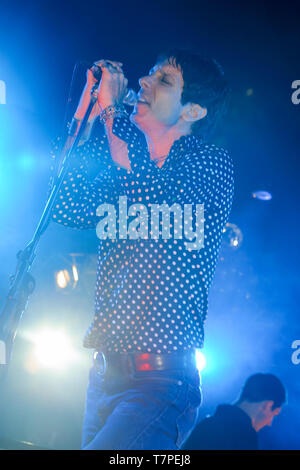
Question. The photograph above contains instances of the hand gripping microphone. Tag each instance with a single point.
(130, 98)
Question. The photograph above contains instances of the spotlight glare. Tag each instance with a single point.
(62, 279)
(200, 360)
(75, 273)
(53, 349)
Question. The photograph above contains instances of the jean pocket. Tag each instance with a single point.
(187, 420)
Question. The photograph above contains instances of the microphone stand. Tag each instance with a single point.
(22, 282)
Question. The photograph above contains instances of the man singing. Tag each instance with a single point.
(151, 288)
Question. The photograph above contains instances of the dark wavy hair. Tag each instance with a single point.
(261, 387)
(204, 84)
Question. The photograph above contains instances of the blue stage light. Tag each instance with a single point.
(25, 162)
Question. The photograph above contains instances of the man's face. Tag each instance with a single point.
(159, 99)
(266, 415)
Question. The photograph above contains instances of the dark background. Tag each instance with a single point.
(254, 303)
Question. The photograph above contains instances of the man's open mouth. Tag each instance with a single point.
(141, 99)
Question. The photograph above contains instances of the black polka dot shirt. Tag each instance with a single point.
(151, 293)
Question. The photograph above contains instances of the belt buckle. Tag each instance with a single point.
(100, 362)
(143, 362)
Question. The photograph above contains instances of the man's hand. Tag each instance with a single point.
(86, 98)
(111, 91)
(113, 85)
(112, 88)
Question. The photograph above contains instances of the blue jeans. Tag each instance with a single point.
(154, 410)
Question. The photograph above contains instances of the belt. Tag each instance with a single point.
(128, 364)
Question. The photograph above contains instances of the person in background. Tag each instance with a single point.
(235, 427)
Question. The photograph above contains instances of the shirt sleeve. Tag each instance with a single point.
(81, 192)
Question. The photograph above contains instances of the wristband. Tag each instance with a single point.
(112, 112)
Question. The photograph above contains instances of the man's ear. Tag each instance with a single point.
(193, 112)
(267, 405)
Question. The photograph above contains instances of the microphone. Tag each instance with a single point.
(130, 98)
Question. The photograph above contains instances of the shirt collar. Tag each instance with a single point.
(129, 133)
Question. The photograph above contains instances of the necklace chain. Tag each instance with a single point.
(160, 159)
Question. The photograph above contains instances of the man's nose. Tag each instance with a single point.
(145, 82)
